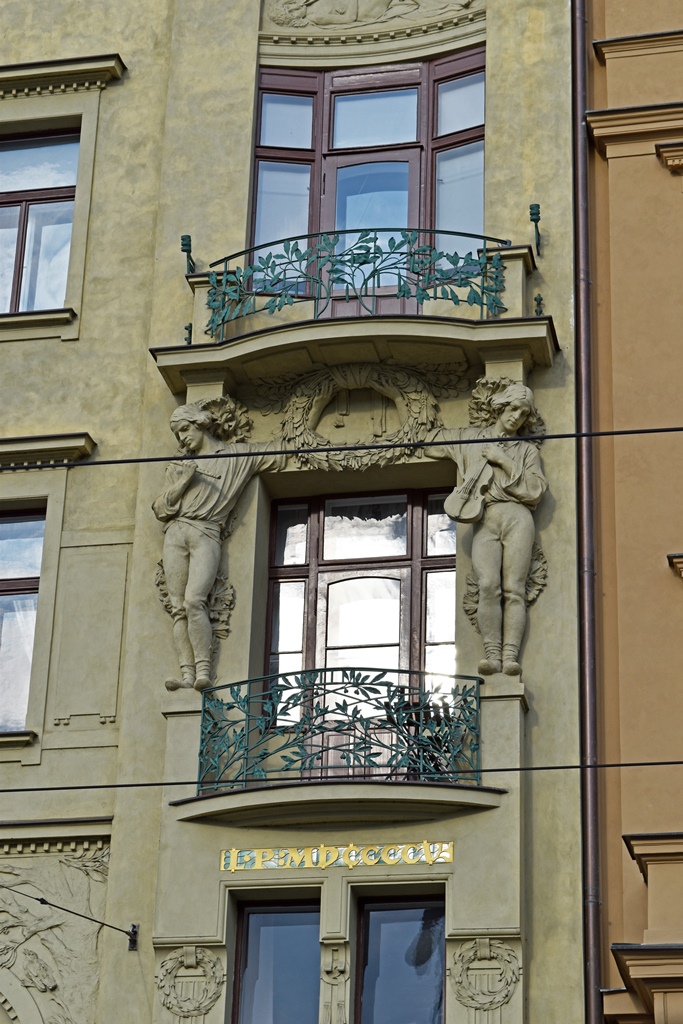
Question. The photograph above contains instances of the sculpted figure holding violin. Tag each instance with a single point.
(501, 482)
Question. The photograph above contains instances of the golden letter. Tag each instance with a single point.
(346, 855)
(413, 858)
(365, 855)
(391, 858)
(262, 856)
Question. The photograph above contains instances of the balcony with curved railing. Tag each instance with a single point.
(340, 724)
(357, 273)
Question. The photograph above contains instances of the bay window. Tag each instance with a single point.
(390, 147)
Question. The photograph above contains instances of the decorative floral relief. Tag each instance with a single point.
(50, 952)
(342, 13)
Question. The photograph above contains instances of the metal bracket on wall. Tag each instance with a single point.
(534, 217)
(186, 247)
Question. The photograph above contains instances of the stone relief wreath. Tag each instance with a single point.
(194, 1000)
(504, 976)
(302, 400)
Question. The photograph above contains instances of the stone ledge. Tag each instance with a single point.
(314, 804)
(45, 77)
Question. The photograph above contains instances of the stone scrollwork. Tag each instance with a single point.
(301, 400)
(190, 982)
(484, 974)
(341, 13)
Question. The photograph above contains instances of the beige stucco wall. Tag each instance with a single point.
(173, 156)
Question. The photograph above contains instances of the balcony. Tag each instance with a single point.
(342, 724)
(352, 273)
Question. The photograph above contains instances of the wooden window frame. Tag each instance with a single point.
(375, 903)
(416, 560)
(325, 86)
(271, 906)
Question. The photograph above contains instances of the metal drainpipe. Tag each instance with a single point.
(585, 533)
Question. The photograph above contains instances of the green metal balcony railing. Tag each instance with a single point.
(361, 267)
(348, 724)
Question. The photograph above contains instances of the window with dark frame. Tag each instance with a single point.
(400, 972)
(389, 147)
(21, 546)
(37, 193)
(363, 581)
(277, 970)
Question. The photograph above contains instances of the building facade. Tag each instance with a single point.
(635, 128)
(248, 702)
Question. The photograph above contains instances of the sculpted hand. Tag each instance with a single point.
(182, 471)
(497, 457)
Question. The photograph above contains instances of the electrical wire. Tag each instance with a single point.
(332, 449)
(131, 933)
(516, 770)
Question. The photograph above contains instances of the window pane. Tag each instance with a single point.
(282, 201)
(280, 981)
(38, 163)
(375, 119)
(461, 104)
(21, 546)
(363, 611)
(46, 260)
(372, 195)
(440, 607)
(403, 973)
(9, 226)
(286, 121)
(288, 616)
(290, 540)
(440, 660)
(440, 529)
(17, 626)
(460, 193)
(363, 657)
(365, 527)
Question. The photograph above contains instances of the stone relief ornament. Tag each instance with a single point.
(51, 954)
(190, 982)
(334, 972)
(332, 13)
(484, 974)
(196, 509)
(302, 399)
(501, 483)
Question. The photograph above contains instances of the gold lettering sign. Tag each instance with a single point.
(349, 856)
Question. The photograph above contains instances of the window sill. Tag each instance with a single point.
(43, 323)
(12, 740)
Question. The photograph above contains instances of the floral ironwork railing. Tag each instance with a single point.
(344, 723)
(356, 266)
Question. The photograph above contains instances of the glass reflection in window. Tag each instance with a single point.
(280, 967)
(365, 527)
(375, 119)
(46, 260)
(290, 540)
(440, 529)
(286, 121)
(461, 104)
(403, 965)
(460, 193)
(17, 626)
(21, 546)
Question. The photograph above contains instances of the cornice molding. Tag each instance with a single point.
(659, 122)
(655, 847)
(649, 45)
(670, 155)
(358, 46)
(53, 449)
(47, 77)
(651, 971)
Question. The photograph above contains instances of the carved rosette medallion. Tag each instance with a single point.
(484, 974)
(190, 982)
